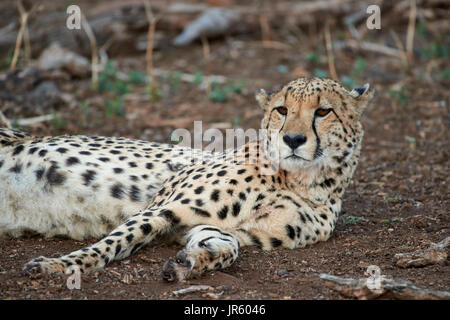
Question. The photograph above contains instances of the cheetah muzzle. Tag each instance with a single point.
(283, 190)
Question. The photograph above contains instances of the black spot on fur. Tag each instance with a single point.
(215, 195)
(54, 177)
(149, 165)
(132, 164)
(179, 196)
(135, 193)
(62, 150)
(236, 209)
(86, 153)
(42, 153)
(221, 173)
(18, 150)
(129, 237)
(275, 242)
(39, 173)
(185, 201)
(222, 213)
(88, 176)
(117, 191)
(146, 228)
(201, 212)
(168, 214)
(290, 231)
(72, 160)
(118, 170)
(199, 190)
(17, 168)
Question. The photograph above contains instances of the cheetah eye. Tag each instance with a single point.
(282, 110)
(322, 112)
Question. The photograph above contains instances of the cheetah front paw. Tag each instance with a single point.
(44, 265)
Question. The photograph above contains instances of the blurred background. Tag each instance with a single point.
(141, 69)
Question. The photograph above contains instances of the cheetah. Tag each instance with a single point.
(129, 193)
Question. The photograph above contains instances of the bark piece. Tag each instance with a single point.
(435, 254)
(364, 289)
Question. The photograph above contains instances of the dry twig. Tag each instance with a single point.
(94, 50)
(411, 30)
(330, 55)
(22, 34)
(152, 20)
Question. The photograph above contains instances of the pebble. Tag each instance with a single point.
(281, 272)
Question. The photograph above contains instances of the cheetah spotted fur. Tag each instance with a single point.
(128, 193)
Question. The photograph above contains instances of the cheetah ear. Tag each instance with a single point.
(261, 96)
(362, 96)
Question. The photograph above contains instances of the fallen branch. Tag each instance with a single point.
(388, 289)
(26, 121)
(369, 46)
(191, 289)
(435, 254)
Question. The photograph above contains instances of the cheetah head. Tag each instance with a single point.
(312, 121)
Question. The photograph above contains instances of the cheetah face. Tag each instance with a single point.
(312, 121)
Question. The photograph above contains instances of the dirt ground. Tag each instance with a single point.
(398, 201)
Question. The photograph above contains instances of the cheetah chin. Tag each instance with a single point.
(284, 190)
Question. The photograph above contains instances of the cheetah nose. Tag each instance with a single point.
(295, 141)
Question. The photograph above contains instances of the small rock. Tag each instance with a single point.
(281, 272)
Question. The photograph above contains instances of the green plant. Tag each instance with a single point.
(348, 81)
(114, 107)
(445, 74)
(173, 78)
(109, 82)
(154, 92)
(359, 67)
(282, 69)
(313, 57)
(86, 112)
(198, 78)
(399, 96)
(220, 93)
(137, 78)
(57, 122)
(320, 73)
(434, 50)
(393, 198)
(352, 220)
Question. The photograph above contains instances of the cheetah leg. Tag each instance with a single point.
(207, 248)
(134, 233)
